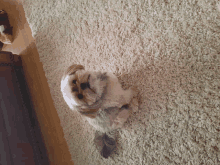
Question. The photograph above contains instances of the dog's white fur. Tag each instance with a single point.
(101, 100)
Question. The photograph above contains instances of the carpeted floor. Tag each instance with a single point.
(169, 49)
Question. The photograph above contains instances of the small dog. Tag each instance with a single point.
(100, 98)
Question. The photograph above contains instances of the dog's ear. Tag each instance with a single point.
(72, 69)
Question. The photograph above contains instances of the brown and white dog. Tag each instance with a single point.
(100, 98)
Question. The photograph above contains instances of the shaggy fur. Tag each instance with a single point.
(100, 98)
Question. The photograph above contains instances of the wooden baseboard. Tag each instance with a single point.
(43, 104)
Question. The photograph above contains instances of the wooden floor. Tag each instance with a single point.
(24, 45)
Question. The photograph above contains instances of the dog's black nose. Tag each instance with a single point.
(80, 96)
(83, 86)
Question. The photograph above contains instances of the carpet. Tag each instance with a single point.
(169, 50)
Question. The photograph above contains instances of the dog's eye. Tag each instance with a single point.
(74, 81)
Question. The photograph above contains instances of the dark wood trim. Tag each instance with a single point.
(10, 59)
(24, 143)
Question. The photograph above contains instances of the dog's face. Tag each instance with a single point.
(82, 88)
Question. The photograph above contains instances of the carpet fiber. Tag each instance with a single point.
(169, 50)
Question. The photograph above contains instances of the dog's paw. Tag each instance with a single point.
(134, 104)
(134, 91)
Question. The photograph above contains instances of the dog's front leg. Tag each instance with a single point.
(124, 112)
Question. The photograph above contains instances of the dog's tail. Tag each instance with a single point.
(104, 143)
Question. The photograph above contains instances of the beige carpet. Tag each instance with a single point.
(169, 49)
